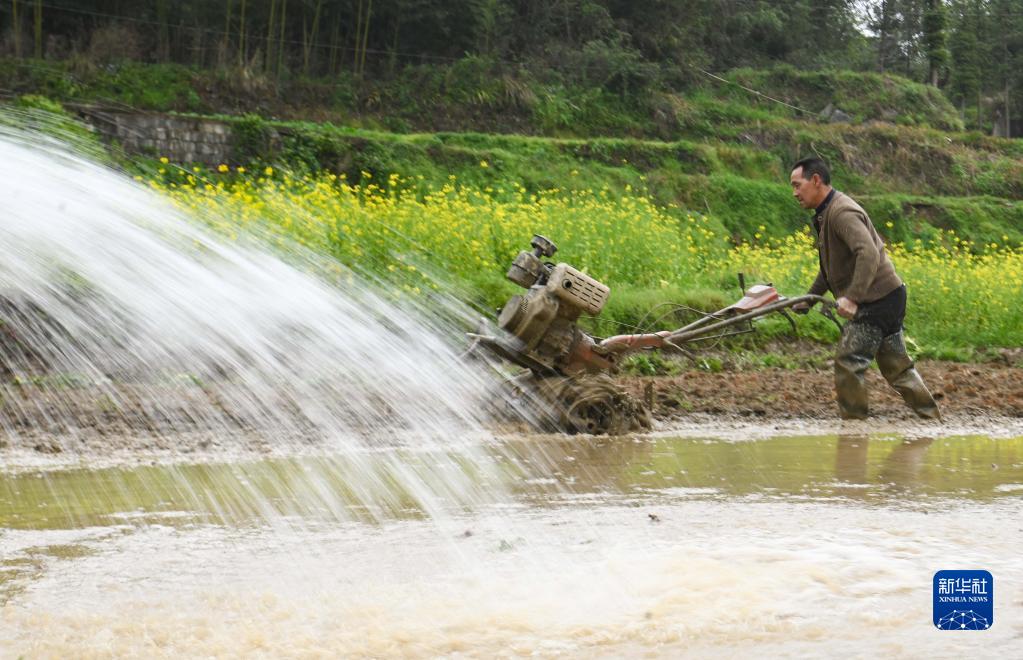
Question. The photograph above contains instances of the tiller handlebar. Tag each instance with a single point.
(543, 336)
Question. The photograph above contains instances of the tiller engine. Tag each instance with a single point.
(567, 380)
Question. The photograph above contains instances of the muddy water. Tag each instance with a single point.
(801, 546)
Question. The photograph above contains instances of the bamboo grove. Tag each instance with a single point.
(972, 49)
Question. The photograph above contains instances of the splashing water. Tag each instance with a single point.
(128, 327)
(385, 522)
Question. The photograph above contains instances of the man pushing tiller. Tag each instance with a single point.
(867, 290)
(567, 380)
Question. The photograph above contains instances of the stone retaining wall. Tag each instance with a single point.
(181, 139)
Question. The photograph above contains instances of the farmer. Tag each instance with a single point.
(868, 292)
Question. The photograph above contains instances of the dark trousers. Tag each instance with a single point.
(876, 333)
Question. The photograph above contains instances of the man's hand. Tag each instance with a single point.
(846, 308)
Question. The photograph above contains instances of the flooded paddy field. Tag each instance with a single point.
(213, 448)
(656, 546)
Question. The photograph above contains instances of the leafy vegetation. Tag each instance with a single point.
(400, 230)
(564, 62)
(651, 140)
(42, 115)
(914, 182)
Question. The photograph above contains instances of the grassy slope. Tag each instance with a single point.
(919, 180)
(713, 149)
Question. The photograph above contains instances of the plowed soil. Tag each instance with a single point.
(980, 398)
(962, 390)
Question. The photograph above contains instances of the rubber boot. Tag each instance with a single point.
(856, 348)
(897, 368)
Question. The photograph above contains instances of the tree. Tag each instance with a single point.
(972, 48)
(935, 39)
(16, 28)
(491, 20)
(1008, 42)
(308, 37)
(883, 20)
(967, 57)
(241, 36)
(37, 29)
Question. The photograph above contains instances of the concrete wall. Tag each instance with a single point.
(181, 139)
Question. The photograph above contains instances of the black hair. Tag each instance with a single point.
(814, 165)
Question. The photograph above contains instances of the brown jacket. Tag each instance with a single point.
(853, 262)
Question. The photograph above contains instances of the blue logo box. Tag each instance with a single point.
(964, 600)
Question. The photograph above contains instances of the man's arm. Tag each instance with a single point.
(818, 288)
(820, 285)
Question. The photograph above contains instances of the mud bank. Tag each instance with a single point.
(976, 399)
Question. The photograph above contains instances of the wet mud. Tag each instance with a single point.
(981, 398)
(963, 391)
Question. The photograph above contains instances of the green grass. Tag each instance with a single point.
(165, 87)
(726, 159)
(863, 96)
(712, 148)
(658, 260)
(742, 187)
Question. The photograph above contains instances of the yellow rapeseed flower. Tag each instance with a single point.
(617, 238)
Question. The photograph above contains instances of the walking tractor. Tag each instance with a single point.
(567, 371)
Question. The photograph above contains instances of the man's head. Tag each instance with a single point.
(811, 182)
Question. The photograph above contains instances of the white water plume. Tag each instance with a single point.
(126, 325)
